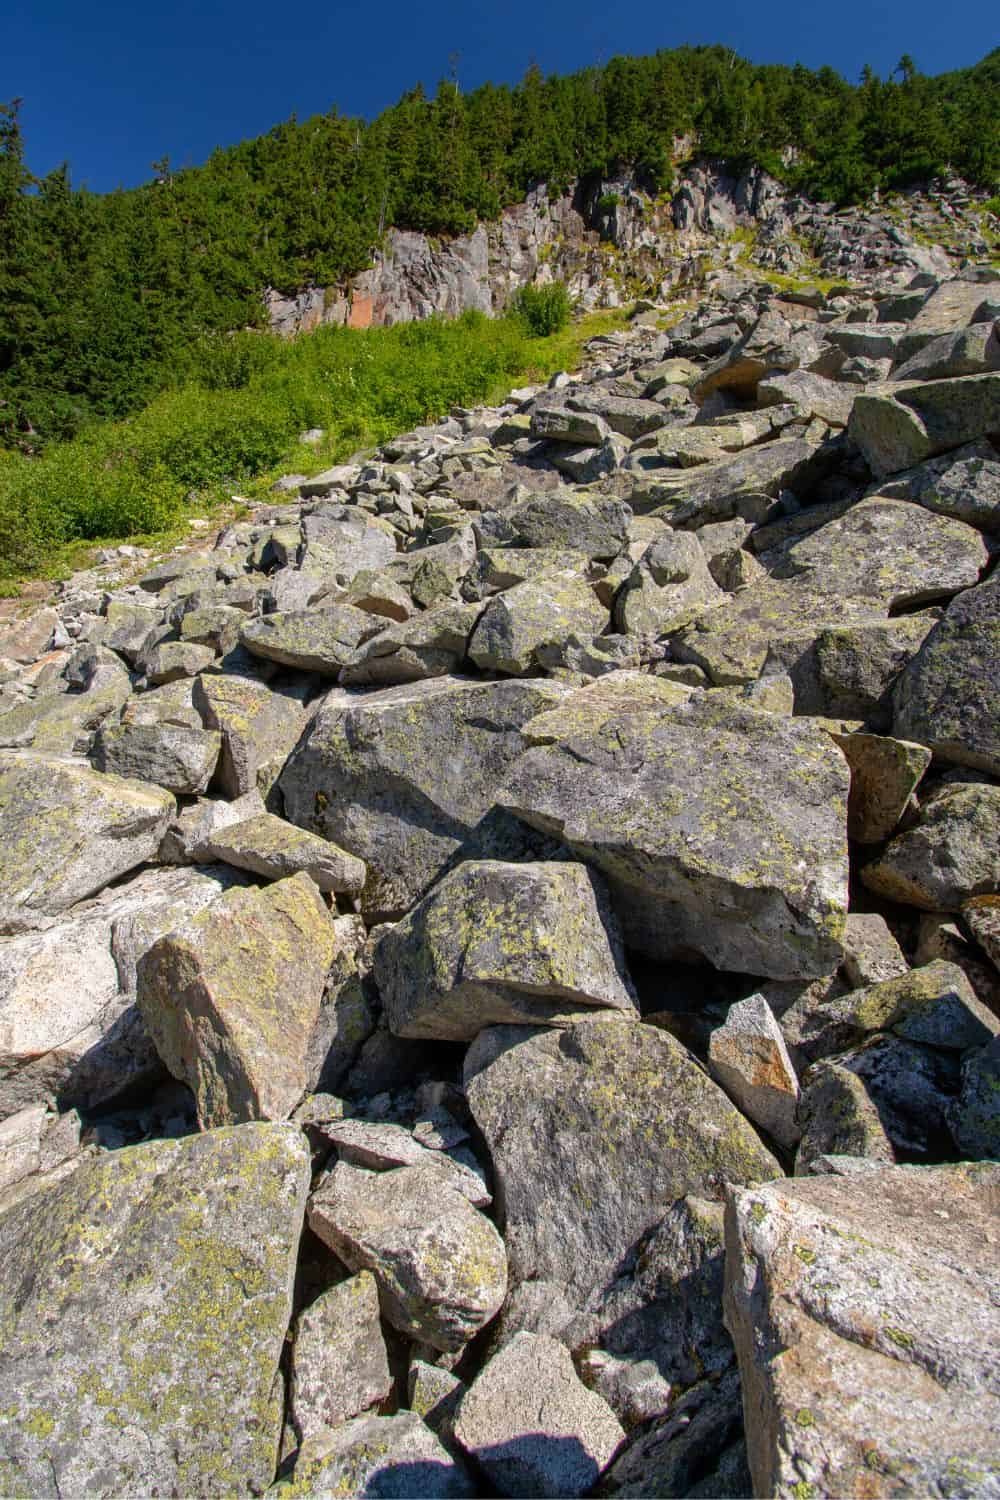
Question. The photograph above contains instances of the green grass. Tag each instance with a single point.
(232, 424)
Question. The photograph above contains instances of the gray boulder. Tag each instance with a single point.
(375, 1458)
(495, 943)
(747, 1056)
(231, 999)
(949, 854)
(121, 1288)
(259, 726)
(533, 1426)
(864, 1314)
(946, 696)
(315, 640)
(590, 524)
(266, 845)
(541, 613)
(725, 834)
(901, 423)
(339, 1363)
(403, 776)
(67, 831)
(974, 1117)
(668, 587)
(439, 1264)
(568, 1116)
(176, 757)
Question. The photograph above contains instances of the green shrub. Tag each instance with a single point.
(545, 309)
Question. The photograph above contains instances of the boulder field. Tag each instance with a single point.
(500, 947)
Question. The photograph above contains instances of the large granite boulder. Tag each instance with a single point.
(946, 696)
(144, 1301)
(259, 726)
(724, 833)
(375, 1458)
(899, 424)
(232, 998)
(949, 854)
(669, 586)
(67, 831)
(542, 612)
(593, 1130)
(314, 640)
(403, 776)
(495, 942)
(864, 1311)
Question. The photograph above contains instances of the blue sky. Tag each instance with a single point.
(113, 85)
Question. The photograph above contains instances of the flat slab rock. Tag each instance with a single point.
(532, 1424)
(495, 942)
(266, 845)
(719, 829)
(144, 1301)
(865, 1316)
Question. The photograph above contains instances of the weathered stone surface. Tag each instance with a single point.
(864, 1312)
(568, 1117)
(698, 1449)
(231, 999)
(533, 1426)
(946, 696)
(339, 1363)
(380, 1147)
(558, 422)
(962, 352)
(194, 825)
(66, 832)
(64, 721)
(28, 639)
(981, 915)
(851, 668)
(872, 954)
(315, 640)
(340, 543)
(884, 775)
(668, 587)
(964, 484)
(541, 612)
(724, 832)
(734, 486)
(901, 423)
(590, 524)
(21, 1144)
(495, 943)
(748, 1057)
(121, 1287)
(168, 661)
(375, 1458)
(67, 1020)
(629, 415)
(401, 777)
(838, 1117)
(176, 757)
(974, 1117)
(259, 729)
(819, 397)
(583, 710)
(439, 1264)
(431, 644)
(663, 1306)
(269, 846)
(951, 853)
(912, 1088)
(435, 1394)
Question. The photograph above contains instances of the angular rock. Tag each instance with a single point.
(516, 624)
(748, 1058)
(856, 666)
(912, 1088)
(21, 1144)
(533, 1426)
(698, 1449)
(435, 1395)
(269, 846)
(827, 399)
(568, 1117)
(589, 524)
(725, 835)
(440, 1266)
(951, 853)
(66, 832)
(403, 776)
(981, 916)
(384, 1146)
(121, 1287)
(668, 587)
(872, 954)
(964, 484)
(946, 696)
(186, 839)
(585, 709)
(168, 661)
(565, 426)
(231, 999)
(259, 725)
(974, 1117)
(855, 1378)
(495, 943)
(339, 1363)
(837, 1116)
(962, 352)
(901, 423)
(884, 775)
(375, 1458)
(431, 644)
(176, 757)
(314, 640)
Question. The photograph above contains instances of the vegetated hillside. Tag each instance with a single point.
(101, 293)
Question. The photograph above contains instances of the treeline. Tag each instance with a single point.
(101, 295)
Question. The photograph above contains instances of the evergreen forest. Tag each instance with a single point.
(103, 296)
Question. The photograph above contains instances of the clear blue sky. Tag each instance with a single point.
(112, 85)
